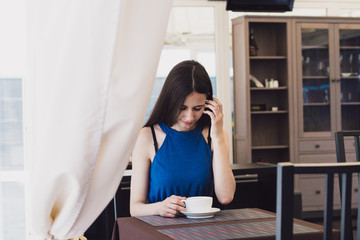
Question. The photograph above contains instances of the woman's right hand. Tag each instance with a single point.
(171, 206)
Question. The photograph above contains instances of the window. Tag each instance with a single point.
(189, 36)
(12, 201)
(196, 30)
(12, 184)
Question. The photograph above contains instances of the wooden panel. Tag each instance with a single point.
(242, 136)
(325, 158)
(266, 134)
(270, 99)
(270, 129)
(312, 189)
(317, 158)
(317, 146)
(324, 145)
(271, 38)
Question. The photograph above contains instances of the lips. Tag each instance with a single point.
(187, 123)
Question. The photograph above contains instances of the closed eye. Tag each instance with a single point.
(196, 108)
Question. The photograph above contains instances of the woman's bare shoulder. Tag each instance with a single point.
(144, 134)
(142, 149)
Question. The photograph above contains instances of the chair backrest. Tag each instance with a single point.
(340, 144)
(285, 196)
(341, 149)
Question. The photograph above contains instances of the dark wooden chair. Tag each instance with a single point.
(285, 196)
(342, 146)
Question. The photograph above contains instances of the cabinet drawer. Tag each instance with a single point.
(318, 158)
(313, 192)
(325, 145)
(317, 146)
(325, 158)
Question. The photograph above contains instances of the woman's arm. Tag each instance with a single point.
(141, 160)
(224, 180)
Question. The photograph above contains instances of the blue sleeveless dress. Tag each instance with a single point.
(182, 166)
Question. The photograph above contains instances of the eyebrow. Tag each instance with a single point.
(201, 105)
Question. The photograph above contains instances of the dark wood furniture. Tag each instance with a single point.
(285, 189)
(248, 223)
(340, 144)
(342, 148)
(255, 186)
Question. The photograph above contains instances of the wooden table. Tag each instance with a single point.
(255, 188)
(247, 223)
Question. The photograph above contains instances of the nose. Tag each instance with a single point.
(189, 115)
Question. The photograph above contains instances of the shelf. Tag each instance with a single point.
(315, 77)
(269, 112)
(267, 89)
(314, 47)
(267, 57)
(316, 104)
(351, 77)
(267, 132)
(349, 47)
(269, 147)
(350, 103)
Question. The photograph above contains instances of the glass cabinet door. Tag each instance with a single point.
(316, 111)
(349, 57)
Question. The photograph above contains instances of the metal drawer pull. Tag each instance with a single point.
(356, 190)
(317, 192)
(317, 145)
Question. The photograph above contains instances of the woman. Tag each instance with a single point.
(183, 149)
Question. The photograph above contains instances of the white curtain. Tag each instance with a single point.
(91, 68)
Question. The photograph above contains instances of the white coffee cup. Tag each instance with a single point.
(198, 204)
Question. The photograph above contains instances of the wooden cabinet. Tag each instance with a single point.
(328, 71)
(262, 113)
(316, 61)
(327, 62)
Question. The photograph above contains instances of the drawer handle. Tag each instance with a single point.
(317, 145)
(317, 192)
(356, 190)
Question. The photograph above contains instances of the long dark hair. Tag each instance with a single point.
(185, 78)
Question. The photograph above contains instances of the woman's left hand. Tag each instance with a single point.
(216, 115)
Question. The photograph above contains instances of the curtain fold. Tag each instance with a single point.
(91, 68)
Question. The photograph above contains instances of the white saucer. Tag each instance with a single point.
(207, 214)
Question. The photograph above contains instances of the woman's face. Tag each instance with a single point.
(190, 112)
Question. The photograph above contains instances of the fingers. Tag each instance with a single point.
(217, 101)
(216, 108)
(172, 205)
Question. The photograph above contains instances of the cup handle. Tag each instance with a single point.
(184, 201)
